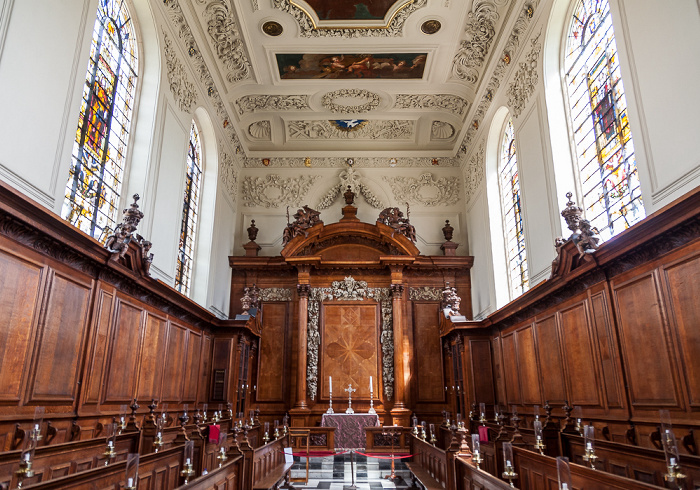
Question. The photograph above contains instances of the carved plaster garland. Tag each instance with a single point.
(371, 99)
(350, 290)
(226, 39)
(446, 189)
(228, 174)
(182, 89)
(372, 130)
(342, 162)
(289, 191)
(474, 173)
(525, 79)
(425, 293)
(480, 30)
(350, 178)
(450, 103)
(257, 103)
(394, 29)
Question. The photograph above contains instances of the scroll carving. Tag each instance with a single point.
(285, 191)
(425, 293)
(446, 189)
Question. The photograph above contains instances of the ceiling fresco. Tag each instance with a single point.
(343, 66)
(350, 9)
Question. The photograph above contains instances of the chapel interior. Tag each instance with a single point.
(456, 242)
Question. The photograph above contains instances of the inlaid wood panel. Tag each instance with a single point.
(430, 381)
(96, 362)
(151, 372)
(174, 363)
(683, 281)
(192, 366)
(510, 369)
(581, 371)
(527, 364)
(123, 366)
(350, 347)
(549, 352)
(271, 376)
(20, 283)
(643, 337)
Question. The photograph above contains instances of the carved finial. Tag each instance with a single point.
(349, 196)
(447, 230)
(252, 231)
(572, 214)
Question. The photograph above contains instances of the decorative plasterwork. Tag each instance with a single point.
(446, 102)
(275, 294)
(425, 293)
(441, 130)
(425, 189)
(525, 79)
(260, 130)
(372, 130)
(228, 174)
(480, 31)
(474, 173)
(182, 89)
(199, 66)
(353, 179)
(341, 162)
(307, 28)
(272, 191)
(350, 290)
(519, 29)
(364, 101)
(226, 39)
(257, 103)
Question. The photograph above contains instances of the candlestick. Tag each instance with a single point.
(330, 383)
(476, 450)
(370, 384)
(539, 444)
(188, 469)
(668, 438)
(589, 438)
(371, 398)
(508, 472)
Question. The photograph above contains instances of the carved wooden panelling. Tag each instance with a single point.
(271, 375)
(19, 293)
(510, 369)
(100, 342)
(428, 352)
(527, 365)
(174, 363)
(350, 347)
(192, 366)
(60, 340)
(607, 348)
(123, 369)
(151, 373)
(684, 287)
(480, 351)
(205, 372)
(581, 371)
(221, 362)
(550, 360)
(644, 337)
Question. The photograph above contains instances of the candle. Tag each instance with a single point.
(673, 461)
(130, 483)
(589, 446)
(187, 461)
(159, 435)
(370, 384)
(508, 464)
(26, 456)
(36, 427)
(110, 443)
(330, 384)
(564, 486)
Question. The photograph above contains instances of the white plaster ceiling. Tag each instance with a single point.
(426, 116)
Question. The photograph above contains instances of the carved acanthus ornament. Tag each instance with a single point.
(371, 101)
(282, 191)
(275, 294)
(182, 89)
(425, 190)
(372, 130)
(446, 102)
(259, 103)
(304, 219)
(425, 293)
(250, 299)
(394, 218)
(450, 299)
(352, 179)
(226, 39)
(474, 173)
(350, 290)
(525, 79)
(480, 31)
(308, 29)
(341, 162)
(228, 174)
(519, 29)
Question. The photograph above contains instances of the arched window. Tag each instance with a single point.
(99, 152)
(188, 226)
(606, 163)
(512, 213)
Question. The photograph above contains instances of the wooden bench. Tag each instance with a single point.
(265, 467)
(431, 466)
(421, 475)
(275, 477)
(469, 477)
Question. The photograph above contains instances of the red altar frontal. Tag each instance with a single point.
(348, 300)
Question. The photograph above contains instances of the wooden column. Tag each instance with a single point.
(400, 414)
(301, 411)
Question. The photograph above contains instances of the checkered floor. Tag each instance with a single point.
(336, 472)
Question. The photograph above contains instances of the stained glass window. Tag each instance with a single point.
(99, 152)
(188, 226)
(606, 162)
(512, 214)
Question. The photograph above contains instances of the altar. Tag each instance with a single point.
(350, 428)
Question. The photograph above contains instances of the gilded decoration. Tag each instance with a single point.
(350, 290)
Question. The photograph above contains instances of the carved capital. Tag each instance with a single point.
(303, 290)
(397, 291)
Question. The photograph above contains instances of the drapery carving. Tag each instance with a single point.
(350, 290)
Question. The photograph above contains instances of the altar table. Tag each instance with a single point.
(350, 428)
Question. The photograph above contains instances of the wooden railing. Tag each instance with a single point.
(320, 439)
(469, 477)
(263, 463)
(379, 441)
(439, 463)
